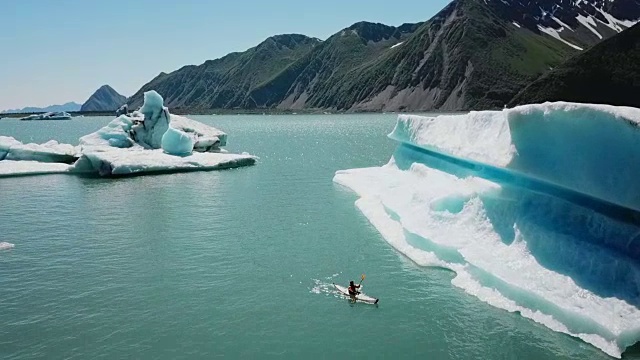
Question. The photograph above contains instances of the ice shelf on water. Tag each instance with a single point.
(22, 168)
(148, 140)
(49, 152)
(534, 208)
(138, 161)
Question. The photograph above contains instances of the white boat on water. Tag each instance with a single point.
(56, 115)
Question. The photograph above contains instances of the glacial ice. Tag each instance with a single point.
(155, 123)
(115, 134)
(176, 142)
(148, 140)
(49, 152)
(10, 168)
(534, 208)
(587, 148)
(139, 161)
(146, 129)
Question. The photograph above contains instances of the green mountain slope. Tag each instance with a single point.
(466, 57)
(474, 54)
(313, 80)
(608, 73)
(224, 83)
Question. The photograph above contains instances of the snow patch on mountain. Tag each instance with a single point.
(601, 18)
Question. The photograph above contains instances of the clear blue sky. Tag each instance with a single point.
(63, 50)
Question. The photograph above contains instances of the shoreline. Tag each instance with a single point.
(265, 112)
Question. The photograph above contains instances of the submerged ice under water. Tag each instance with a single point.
(532, 207)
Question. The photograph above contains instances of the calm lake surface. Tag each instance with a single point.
(236, 263)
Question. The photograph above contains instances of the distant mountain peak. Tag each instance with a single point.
(373, 32)
(290, 41)
(104, 99)
(106, 87)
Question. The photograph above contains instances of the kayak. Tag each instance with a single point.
(360, 297)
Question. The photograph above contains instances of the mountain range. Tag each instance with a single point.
(103, 99)
(70, 106)
(473, 54)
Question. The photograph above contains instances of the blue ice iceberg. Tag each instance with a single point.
(145, 129)
(586, 148)
(535, 208)
(176, 142)
(156, 121)
(144, 141)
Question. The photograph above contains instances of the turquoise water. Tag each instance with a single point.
(233, 263)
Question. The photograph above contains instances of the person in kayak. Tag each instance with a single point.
(353, 289)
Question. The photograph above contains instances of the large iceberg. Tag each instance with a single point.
(148, 140)
(535, 208)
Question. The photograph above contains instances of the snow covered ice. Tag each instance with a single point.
(140, 161)
(50, 152)
(148, 140)
(587, 148)
(535, 208)
(10, 168)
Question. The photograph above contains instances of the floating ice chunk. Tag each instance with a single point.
(51, 151)
(20, 168)
(6, 245)
(206, 138)
(146, 128)
(139, 161)
(144, 141)
(176, 142)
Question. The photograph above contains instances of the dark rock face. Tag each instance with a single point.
(608, 73)
(104, 99)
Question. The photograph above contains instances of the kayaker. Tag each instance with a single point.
(353, 288)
